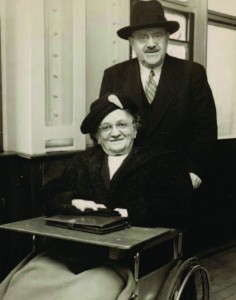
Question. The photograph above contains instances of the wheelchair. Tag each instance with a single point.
(155, 256)
(184, 280)
(187, 280)
(179, 279)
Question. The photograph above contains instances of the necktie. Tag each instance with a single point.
(150, 88)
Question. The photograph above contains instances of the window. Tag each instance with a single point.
(181, 42)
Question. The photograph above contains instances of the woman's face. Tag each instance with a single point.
(117, 132)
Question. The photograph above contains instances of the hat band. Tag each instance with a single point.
(149, 19)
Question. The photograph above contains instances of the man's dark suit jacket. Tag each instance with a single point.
(182, 116)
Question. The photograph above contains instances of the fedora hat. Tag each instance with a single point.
(147, 14)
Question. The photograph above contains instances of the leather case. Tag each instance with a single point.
(92, 224)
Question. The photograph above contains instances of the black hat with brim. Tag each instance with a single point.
(101, 107)
(147, 14)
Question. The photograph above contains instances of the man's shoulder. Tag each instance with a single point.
(183, 62)
(152, 153)
(122, 65)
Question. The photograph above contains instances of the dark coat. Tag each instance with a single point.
(182, 116)
(154, 187)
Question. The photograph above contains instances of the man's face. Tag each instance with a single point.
(150, 46)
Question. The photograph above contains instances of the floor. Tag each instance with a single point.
(222, 269)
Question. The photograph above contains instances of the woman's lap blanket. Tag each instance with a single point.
(46, 277)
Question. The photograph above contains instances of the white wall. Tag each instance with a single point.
(221, 67)
(225, 7)
(103, 47)
(21, 44)
(23, 78)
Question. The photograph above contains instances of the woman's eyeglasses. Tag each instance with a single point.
(121, 126)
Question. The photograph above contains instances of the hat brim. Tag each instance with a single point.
(125, 32)
(91, 122)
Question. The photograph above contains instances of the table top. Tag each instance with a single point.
(124, 239)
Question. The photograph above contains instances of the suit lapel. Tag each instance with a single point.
(132, 84)
(165, 94)
(166, 91)
(132, 87)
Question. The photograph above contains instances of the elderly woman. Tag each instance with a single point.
(150, 185)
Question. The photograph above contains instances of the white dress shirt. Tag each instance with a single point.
(144, 73)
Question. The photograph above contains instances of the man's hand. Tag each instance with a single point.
(196, 181)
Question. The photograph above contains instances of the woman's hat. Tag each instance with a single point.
(101, 107)
(147, 14)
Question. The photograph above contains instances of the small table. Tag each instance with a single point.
(118, 242)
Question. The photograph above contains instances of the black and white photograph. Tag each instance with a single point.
(117, 150)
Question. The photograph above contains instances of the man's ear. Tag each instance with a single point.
(131, 41)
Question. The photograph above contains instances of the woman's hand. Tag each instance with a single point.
(86, 204)
(122, 211)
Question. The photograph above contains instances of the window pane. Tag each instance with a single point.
(177, 50)
(221, 68)
(181, 33)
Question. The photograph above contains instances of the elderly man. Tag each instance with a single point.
(173, 95)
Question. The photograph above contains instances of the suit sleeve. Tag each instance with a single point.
(172, 204)
(106, 86)
(166, 197)
(203, 122)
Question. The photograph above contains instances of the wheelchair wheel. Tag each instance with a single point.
(187, 280)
